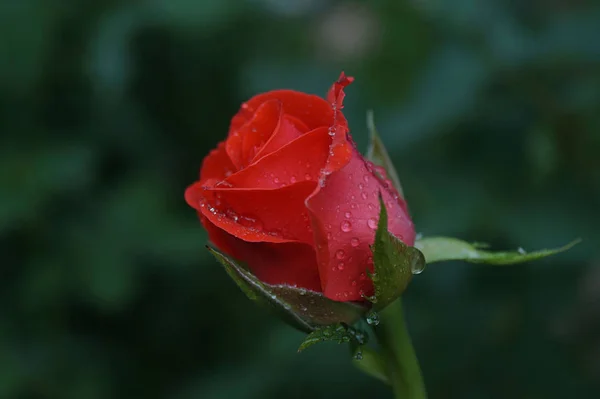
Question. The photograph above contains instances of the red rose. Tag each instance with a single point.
(289, 194)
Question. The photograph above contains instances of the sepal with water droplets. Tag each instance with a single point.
(340, 333)
(377, 154)
(304, 309)
(394, 264)
(438, 249)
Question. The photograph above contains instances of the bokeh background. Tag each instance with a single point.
(490, 109)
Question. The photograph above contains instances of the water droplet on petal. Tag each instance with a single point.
(366, 178)
(521, 251)
(340, 254)
(346, 226)
(355, 242)
(363, 195)
(329, 236)
(354, 283)
(363, 276)
(340, 266)
(371, 206)
(361, 186)
(307, 176)
(348, 215)
(372, 223)
(292, 179)
(276, 180)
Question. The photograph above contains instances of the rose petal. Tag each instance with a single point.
(286, 263)
(246, 141)
(217, 164)
(299, 160)
(256, 215)
(344, 213)
(287, 131)
(310, 109)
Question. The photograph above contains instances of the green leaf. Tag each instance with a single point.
(370, 362)
(304, 309)
(339, 332)
(377, 154)
(394, 263)
(438, 249)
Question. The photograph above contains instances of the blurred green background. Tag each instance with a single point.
(490, 108)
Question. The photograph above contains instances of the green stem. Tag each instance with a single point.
(401, 361)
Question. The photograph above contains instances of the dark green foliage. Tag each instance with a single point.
(489, 111)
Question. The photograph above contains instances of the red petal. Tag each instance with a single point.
(341, 147)
(310, 109)
(344, 214)
(244, 143)
(217, 164)
(299, 160)
(256, 215)
(287, 131)
(287, 263)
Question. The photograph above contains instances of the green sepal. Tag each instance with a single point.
(339, 332)
(394, 263)
(438, 249)
(304, 309)
(377, 154)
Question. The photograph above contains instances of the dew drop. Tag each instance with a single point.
(521, 251)
(346, 226)
(416, 266)
(371, 206)
(363, 195)
(348, 215)
(354, 283)
(358, 355)
(372, 223)
(341, 266)
(329, 236)
(370, 260)
(340, 254)
(276, 180)
(307, 176)
(372, 318)
(366, 178)
(381, 171)
(293, 179)
(363, 276)
(361, 186)
(355, 242)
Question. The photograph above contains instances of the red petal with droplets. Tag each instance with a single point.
(256, 215)
(345, 212)
(312, 110)
(286, 263)
(217, 164)
(299, 160)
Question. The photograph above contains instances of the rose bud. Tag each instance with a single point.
(289, 195)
